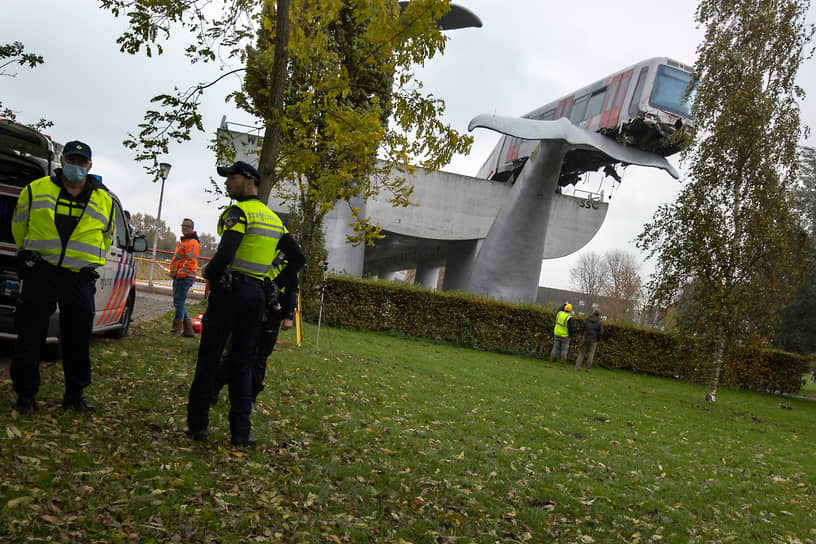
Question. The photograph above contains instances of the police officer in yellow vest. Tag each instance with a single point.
(62, 227)
(564, 329)
(249, 242)
(278, 314)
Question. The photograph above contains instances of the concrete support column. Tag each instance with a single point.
(427, 276)
(458, 264)
(343, 258)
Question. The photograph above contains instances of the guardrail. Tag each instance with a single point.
(161, 272)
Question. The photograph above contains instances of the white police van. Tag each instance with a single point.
(25, 155)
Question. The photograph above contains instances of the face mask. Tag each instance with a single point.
(74, 173)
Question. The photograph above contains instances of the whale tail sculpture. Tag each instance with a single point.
(508, 264)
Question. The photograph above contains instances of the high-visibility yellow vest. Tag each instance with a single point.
(33, 225)
(561, 328)
(261, 233)
(279, 262)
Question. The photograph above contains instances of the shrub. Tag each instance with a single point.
(479, 323)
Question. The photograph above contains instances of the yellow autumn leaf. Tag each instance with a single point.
(19, 501)
(461, 455)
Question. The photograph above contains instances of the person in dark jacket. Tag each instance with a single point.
(593, 331)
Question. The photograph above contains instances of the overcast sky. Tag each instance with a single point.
(528, 53)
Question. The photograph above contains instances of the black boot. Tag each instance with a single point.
(246, 441)
(199, 435)
(77, 402)
(26, 406)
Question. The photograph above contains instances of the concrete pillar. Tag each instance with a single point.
(343, 258)
(427, 276)
(459, 263)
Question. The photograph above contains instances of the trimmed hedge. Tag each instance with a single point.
(478, 323)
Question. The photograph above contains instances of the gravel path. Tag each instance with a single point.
(151, 305)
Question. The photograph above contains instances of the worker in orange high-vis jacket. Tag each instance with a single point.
(183, 271)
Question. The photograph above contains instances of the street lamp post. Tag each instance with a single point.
(164, 171)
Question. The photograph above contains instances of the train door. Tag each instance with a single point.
(513, 145)
(564, 108)
(614, 101)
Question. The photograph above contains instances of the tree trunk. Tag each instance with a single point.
(716, 368)
(273, 133)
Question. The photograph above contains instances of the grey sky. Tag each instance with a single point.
(528, 53)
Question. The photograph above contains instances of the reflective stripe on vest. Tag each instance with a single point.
(34, 226)
(260, 242)
(561, 328)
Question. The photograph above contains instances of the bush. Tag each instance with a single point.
(479, 323)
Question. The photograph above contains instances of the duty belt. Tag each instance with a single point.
(240, 277)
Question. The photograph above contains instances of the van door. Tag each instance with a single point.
(114, 288)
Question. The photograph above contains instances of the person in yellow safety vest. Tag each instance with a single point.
(62, 227)
(250, 234)
(279, 315)
(564, 329)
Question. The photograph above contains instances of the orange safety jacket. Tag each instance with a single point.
(185, 259)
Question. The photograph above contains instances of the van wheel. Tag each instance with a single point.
(124, 322)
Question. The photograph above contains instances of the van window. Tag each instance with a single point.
(7, 205)
(120, 230)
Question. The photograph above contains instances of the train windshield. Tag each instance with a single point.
(669, 91)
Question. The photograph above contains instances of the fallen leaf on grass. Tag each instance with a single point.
(19, 501)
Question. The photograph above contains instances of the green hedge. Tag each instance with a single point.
(478, 323)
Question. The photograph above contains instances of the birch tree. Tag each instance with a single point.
(731, 231)
(796, 330)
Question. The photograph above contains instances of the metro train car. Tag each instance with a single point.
(642, 106)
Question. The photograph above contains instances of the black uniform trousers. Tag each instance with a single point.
(45, 288)
(267, 340)
(237, 312)
(266, 345)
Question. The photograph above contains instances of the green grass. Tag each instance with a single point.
(375, 438)
(809, 389)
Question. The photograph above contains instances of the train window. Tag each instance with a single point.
(669, 91)
(548, 115)
(596, 102)
(624, 85)
(563, 109)
(578, 109)
(612, 90)
(634, 107)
